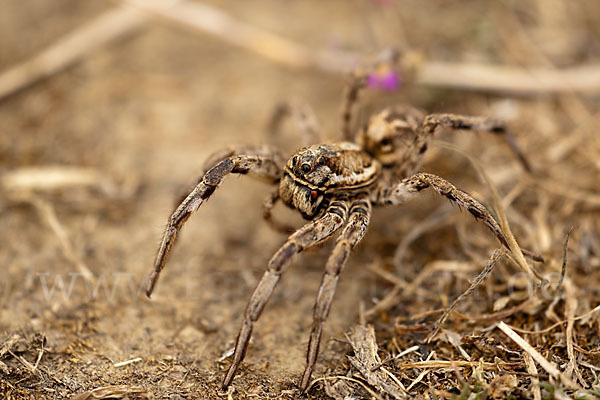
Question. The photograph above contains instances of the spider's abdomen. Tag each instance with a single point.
(317, 172)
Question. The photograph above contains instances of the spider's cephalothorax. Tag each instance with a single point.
(315, 174)
(334, 186)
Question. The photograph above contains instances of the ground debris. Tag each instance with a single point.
(365, 361)
(112, 392)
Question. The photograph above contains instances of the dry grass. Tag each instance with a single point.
(98, 141)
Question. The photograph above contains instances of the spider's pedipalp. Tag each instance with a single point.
(310, 234)
(265, 164)
(268, 205)
(353, 232)
(407, 188)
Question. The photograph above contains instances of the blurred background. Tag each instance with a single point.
(109, 109)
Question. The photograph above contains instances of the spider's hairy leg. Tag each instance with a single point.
(356, 82)
(264, 164)
(465, 122)
(302, 115)
(268, 205)
(310, 234)
(353, 232)
(359, 80)
(409, 187)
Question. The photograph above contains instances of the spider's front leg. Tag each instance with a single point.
(353, 232)
(409, 187)
(310, 234)
(261, 162)
(464, 122)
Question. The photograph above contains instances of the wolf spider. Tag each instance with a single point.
(334, 186)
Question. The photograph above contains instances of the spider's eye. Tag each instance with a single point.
(321, 161)
(305, 168)
(386, 141)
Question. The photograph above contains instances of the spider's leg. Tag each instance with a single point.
(356, 82)
(302, 115)
(310, 234)
(264, 164)
(353, 232)
(268, 205)
(359, 80)
(465, 122)
(409, 187)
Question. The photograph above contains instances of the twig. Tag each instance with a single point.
(564, 262)
(492, 261)
(127, 362)
(397, 356)
(362, 339)
(389, 301)
(532, 369)
(106, 392)
(49, 178)
(571, 303)
(511, 80)
(211, 20)
(39, 357)
(547, 365)
(423, 373)
(46, 211)
(438, 219)
(124, 20)
(446, 364)
(347, 378)
(31, 367)
(71, 48)
(548, 329)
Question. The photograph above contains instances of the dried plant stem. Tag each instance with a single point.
(532, 370)
(71, 48)
(571, 303)
(46, 211)
(511, 80)
(207, 19)
(448, 364)
(492, 261)
(347, 378)
(547, 365)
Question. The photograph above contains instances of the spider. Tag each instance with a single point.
(334, 186)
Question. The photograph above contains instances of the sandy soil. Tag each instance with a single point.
(144, 113)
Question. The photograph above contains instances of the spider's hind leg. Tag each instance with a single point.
(464, 122)
(261, 162)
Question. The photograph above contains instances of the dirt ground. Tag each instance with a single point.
(140, 115)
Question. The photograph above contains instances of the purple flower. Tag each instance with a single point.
(385, 79)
